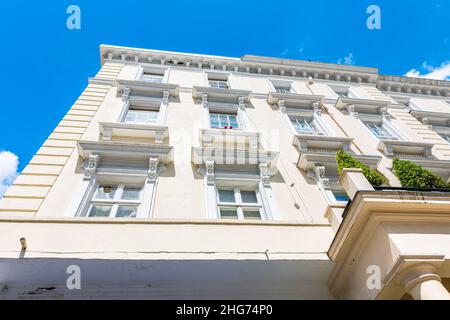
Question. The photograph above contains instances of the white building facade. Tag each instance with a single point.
(189, 176)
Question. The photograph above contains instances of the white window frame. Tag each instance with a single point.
(227, 108)
(239, 122)
(239, 205)
(163, 71)
(135, 108)
(274, 84)
(225, 82)
(150, 104)
(319, 122)
(117, 201)
(387, 125)
(217, 76)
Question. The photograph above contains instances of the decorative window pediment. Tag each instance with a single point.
(125, 153)
(109, 130)
(354, 106)
(163, 91)
(230, 96)
(406, 149)
(322, 143)
(295, 101)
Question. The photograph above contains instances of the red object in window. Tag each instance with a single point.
(231, 127)
(226, 127)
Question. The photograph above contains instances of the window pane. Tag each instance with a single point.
(141, 116)
(99, 211)
(223, 119)
(226, 196)
(341, 196)
(126, 212)
(249, 197)
(152, 78)
(105, 192)
(283, 89)
(214, 120)
(379, 130)
(131, 193)
(252, 215)
(228, 213)
(222, 84)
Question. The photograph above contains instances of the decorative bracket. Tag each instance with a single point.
(210, 175)
(385, 114)
(159, 136)
(91, 167)
(264, 174)
(320, 176)
(126, 93)
(316, 107)
(152, 174)
(281, 105)
(165, 99)
(107, 134)
(351, 110)
(205, 100)
(241, 101)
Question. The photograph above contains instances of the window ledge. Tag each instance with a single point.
(364, 105)
(131, 130)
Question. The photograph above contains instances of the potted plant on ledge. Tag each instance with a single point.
(345, 160)
(414, 176)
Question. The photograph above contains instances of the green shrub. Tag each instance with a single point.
(413, 175)
(344, 160)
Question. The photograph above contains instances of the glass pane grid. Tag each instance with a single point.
(379, 130)
(219, 84)
(223, 121)
(283, 89)
(152, 78)
(303, 125)
(115, 201)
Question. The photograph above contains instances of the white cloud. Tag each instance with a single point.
(429, 72)
(348, 60)
(8, 170)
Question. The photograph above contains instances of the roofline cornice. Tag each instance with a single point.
(278, 67)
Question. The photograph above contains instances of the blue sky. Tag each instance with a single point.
(46, 66)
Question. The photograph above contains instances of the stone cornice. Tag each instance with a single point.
(245, 64)
(419, 86)
(249, 64)
(374, 207)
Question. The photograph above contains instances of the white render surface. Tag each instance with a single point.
(177, 246)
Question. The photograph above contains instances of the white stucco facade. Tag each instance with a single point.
(188, 176)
